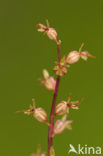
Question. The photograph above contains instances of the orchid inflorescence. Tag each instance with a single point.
(63, 107)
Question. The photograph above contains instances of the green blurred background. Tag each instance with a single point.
(24, 53)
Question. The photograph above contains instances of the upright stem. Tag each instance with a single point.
(50, 131)
(58, 48)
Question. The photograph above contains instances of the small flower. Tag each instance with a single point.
(39, 113)
(74, 56)
(48, 81)
(60, 126)
(51, 32)
(61, 68)
(64, 106)
(61, 108)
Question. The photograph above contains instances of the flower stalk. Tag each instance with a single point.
(62, 108)
(51, 127)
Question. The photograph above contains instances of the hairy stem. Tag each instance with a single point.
(50, 131)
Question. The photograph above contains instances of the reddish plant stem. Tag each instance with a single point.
(50, 131)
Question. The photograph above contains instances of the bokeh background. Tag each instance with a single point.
(24, 53)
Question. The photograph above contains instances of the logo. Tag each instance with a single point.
(84, 150)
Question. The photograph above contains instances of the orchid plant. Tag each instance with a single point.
(63, 107)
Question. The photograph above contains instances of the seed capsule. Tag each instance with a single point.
(73, 57)
(61, 108)
(52, 34)
(40, 114)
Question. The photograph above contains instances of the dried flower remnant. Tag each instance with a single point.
(74, 56)
(42, 28)
(51, 32)
(74, 104)
(84, 55)
(48, 81)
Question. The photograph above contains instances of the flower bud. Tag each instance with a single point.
(73, 57)
(52, 34)
(50, 83)
(61, 108)
(40, 114)
(45, 74)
